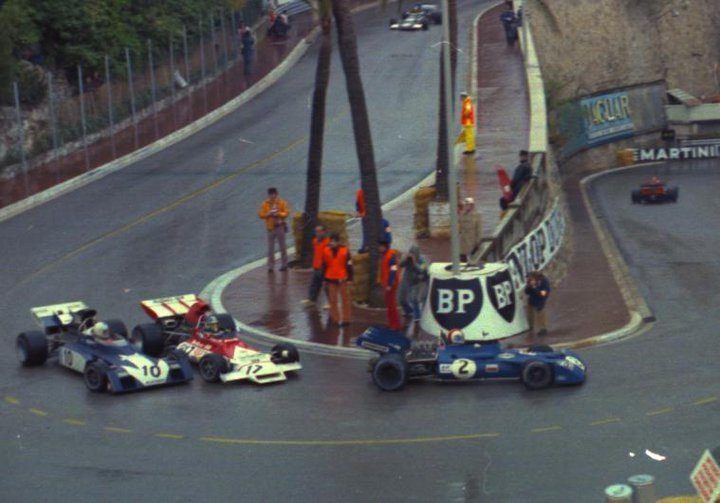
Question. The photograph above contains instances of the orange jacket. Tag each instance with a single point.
(338, 264)
(360, 203)
(318, 250)
(468, 112)
(389, 271)
(272, 221)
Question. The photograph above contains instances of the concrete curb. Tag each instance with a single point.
(167, 141)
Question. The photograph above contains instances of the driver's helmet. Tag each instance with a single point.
(655, 180)
(211, 323)
(101, 331)
(456, 336)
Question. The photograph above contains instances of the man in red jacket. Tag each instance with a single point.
(390, 279)
(338, 272)
(319, 242)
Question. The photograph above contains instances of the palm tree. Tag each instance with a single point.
(444, 143)
(347, 45)
(317, 131)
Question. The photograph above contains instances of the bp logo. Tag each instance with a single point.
(502, 294)
(455, 302)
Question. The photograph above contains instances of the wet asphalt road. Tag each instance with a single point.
(329, 434)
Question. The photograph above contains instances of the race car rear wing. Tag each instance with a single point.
(57, 315)
(169, 307)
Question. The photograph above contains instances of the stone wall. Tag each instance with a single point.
(586, 46)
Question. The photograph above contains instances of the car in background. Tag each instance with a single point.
(656, 191)
(411, 22)
(187, 324)
(109, 363)
(432, 12)
(453, 359)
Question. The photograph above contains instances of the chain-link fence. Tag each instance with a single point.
(80, 119)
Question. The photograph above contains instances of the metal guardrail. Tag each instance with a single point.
(293, 8)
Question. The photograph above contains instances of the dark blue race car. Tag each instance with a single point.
(454, 360)
(105, 357)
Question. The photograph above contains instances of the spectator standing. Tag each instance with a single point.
(361, 212)
(274, 211)
(537, 291)
(470, 229)
(338, 272)
(319, 243)
(510, 24)
(467, 121)
(413, 283)
(248, 50)
(521, 175)
(389, 279)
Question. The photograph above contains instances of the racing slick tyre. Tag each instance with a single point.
(284, 353)
(118, 327)
(537, 375)
(148, 338)
(425, 26)
(673, 193)
(226, 322)
(32, 348)
(95, 377)
(635, 196)
(392, 22)
(211, 366)
(390, 372)
(541, 348)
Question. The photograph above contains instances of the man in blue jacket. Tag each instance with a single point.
(537, 291)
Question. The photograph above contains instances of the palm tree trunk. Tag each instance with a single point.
(347, 45)
(315, 149)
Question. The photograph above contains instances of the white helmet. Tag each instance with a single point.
(211, 323)
(456, 336)
(101, 330)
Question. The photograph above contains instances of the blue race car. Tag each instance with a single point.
(99, 350)
(454, 360)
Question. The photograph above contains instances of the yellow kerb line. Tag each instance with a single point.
(37, 412)
(605, 421)
(12, 400)
(74, 422)
(378, 441)
(706, 400)
(659, 411)
(170, 435)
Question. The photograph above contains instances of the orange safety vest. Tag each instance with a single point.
(388, 263)
(360, 202)
(318, 250)
(336, 263)
(468, 112)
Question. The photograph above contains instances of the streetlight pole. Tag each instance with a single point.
(452, 175)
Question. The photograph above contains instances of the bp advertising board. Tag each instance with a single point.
(482, 302)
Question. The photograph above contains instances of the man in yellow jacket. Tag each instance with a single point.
(467, 121)
(274, 211)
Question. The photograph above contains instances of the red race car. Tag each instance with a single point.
(656, 191)
(187, 323)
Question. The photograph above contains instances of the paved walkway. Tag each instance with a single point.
(587, 303)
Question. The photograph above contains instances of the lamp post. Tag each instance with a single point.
(452, 174)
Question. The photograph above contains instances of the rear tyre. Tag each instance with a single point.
(390, 372)
(541, 348)
(537, 375)
(95, 377)
(211, 366)
(392, 22)
(226, 322)
(118, 327)
(674, 194)
(148, 338)
(635, 196)
(425, 26)
(284, 353)
(31, 348)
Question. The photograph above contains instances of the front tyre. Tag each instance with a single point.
(211, 366)
(635, 196)
(537, 375)
(95, 377)
(390, 372)
(284, 353)
(31, 348)
(148, 338)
